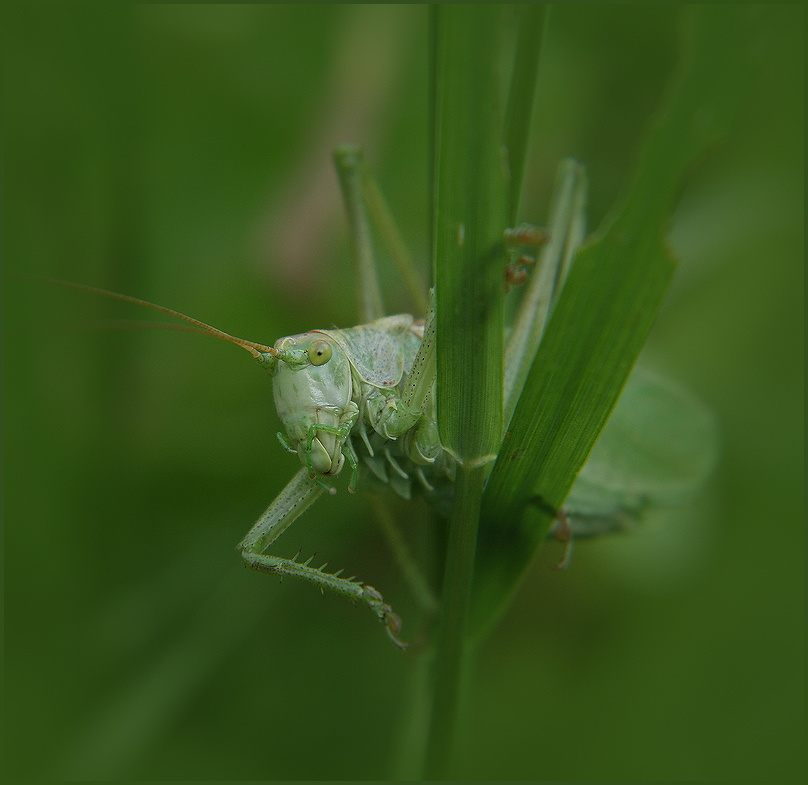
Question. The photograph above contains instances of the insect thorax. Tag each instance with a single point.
(416, 461)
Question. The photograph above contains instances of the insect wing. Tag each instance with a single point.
(658, 446)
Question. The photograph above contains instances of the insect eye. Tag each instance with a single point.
(319, 352)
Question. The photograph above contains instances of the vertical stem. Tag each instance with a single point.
(469, 192)
(469, 215)
(451, 640)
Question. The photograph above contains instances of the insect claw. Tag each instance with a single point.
(565, 559)
(392, 624)
(563, 533)
(515, 272)
(403, 645)
(525, 234)
(324, 485)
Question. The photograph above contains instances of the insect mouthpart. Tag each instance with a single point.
(270, 359)
(322, 451)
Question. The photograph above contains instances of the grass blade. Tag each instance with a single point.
(469, 196)
(469, 209)
(531, 22)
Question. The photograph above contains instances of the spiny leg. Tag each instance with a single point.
(384, 222)
(299, 494)
(348, 160)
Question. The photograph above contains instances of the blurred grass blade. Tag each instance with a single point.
(602, 318)
(531, 22)
(469, 215)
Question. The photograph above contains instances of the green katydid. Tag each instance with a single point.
(365, 396)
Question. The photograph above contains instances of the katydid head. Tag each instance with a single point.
(313, 388)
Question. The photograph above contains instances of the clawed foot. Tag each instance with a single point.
(385, 614)
(563, 533)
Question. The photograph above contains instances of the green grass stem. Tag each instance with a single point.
(469, 212)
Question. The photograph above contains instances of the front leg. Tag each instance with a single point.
(400, 414)
(301, 492)
(342, 432)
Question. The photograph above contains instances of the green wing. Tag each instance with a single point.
(659, 446)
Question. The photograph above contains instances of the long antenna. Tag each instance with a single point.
(255, 349)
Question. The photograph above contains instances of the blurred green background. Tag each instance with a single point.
(182, 154)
